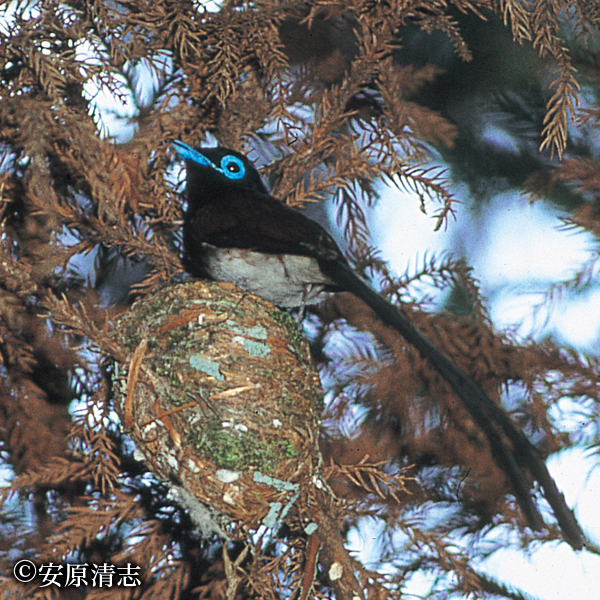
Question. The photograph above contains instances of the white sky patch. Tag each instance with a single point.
(115, 113)
(553, 572)
(364, 541)
(577, 474)
(577, 322)
(209, 5)
(403, 233)
(523, 251)
(523, 243)
(518, 251)
(8, 12)
(114, 110)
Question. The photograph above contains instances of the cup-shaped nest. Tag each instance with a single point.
(220, 397)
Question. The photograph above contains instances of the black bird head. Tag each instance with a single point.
(214, 171)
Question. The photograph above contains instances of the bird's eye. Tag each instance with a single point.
(232, 167)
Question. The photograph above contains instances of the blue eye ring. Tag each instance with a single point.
(232, 167)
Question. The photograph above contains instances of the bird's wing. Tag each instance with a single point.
(259, 222)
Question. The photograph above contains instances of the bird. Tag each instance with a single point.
(235, 231)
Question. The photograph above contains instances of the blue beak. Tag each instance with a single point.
(190, 154)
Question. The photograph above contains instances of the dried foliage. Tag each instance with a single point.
(322, 92)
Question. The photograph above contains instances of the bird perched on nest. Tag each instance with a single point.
(235, 231)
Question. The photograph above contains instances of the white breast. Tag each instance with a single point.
(285, 280)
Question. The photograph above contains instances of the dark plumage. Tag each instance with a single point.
(234, 230)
